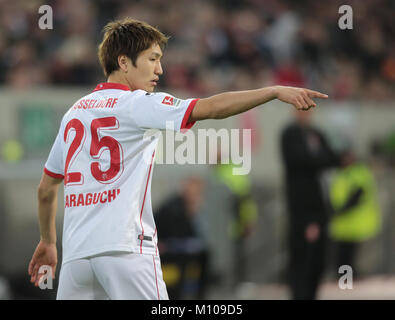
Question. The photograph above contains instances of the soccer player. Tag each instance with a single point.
(109, 234)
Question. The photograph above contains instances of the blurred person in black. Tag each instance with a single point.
(306, 154)
(181, 233)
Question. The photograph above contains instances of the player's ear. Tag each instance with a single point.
(123, 63)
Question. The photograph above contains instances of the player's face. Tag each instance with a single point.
(148, 68)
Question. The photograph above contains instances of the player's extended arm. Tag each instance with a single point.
(46, 253)
(227, 104)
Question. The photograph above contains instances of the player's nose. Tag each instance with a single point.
(158, 69)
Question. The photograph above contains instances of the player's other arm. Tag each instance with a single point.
(46, 253)
(227, 104)
(47, 194)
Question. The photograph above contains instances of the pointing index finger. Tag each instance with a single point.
(316, 94)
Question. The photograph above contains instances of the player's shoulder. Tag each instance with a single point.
(145, 94)
(135, 94)
(77, 103)
(148, 97)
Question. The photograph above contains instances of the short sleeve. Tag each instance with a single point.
(54, 166)
(162, 111)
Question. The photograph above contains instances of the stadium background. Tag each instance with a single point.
(215, 46)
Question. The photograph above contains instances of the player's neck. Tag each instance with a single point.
(117, 77)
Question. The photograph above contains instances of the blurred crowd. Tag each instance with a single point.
(214, 45)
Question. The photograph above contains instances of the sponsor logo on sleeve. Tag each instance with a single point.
(168, 100)
(171, 101)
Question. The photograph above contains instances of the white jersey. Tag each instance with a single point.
(106, 160)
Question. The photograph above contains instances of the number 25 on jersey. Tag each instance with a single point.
(98, 146)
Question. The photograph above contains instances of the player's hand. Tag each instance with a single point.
(45, 254)
(300, 98)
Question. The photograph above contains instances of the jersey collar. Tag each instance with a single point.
(110, 85)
